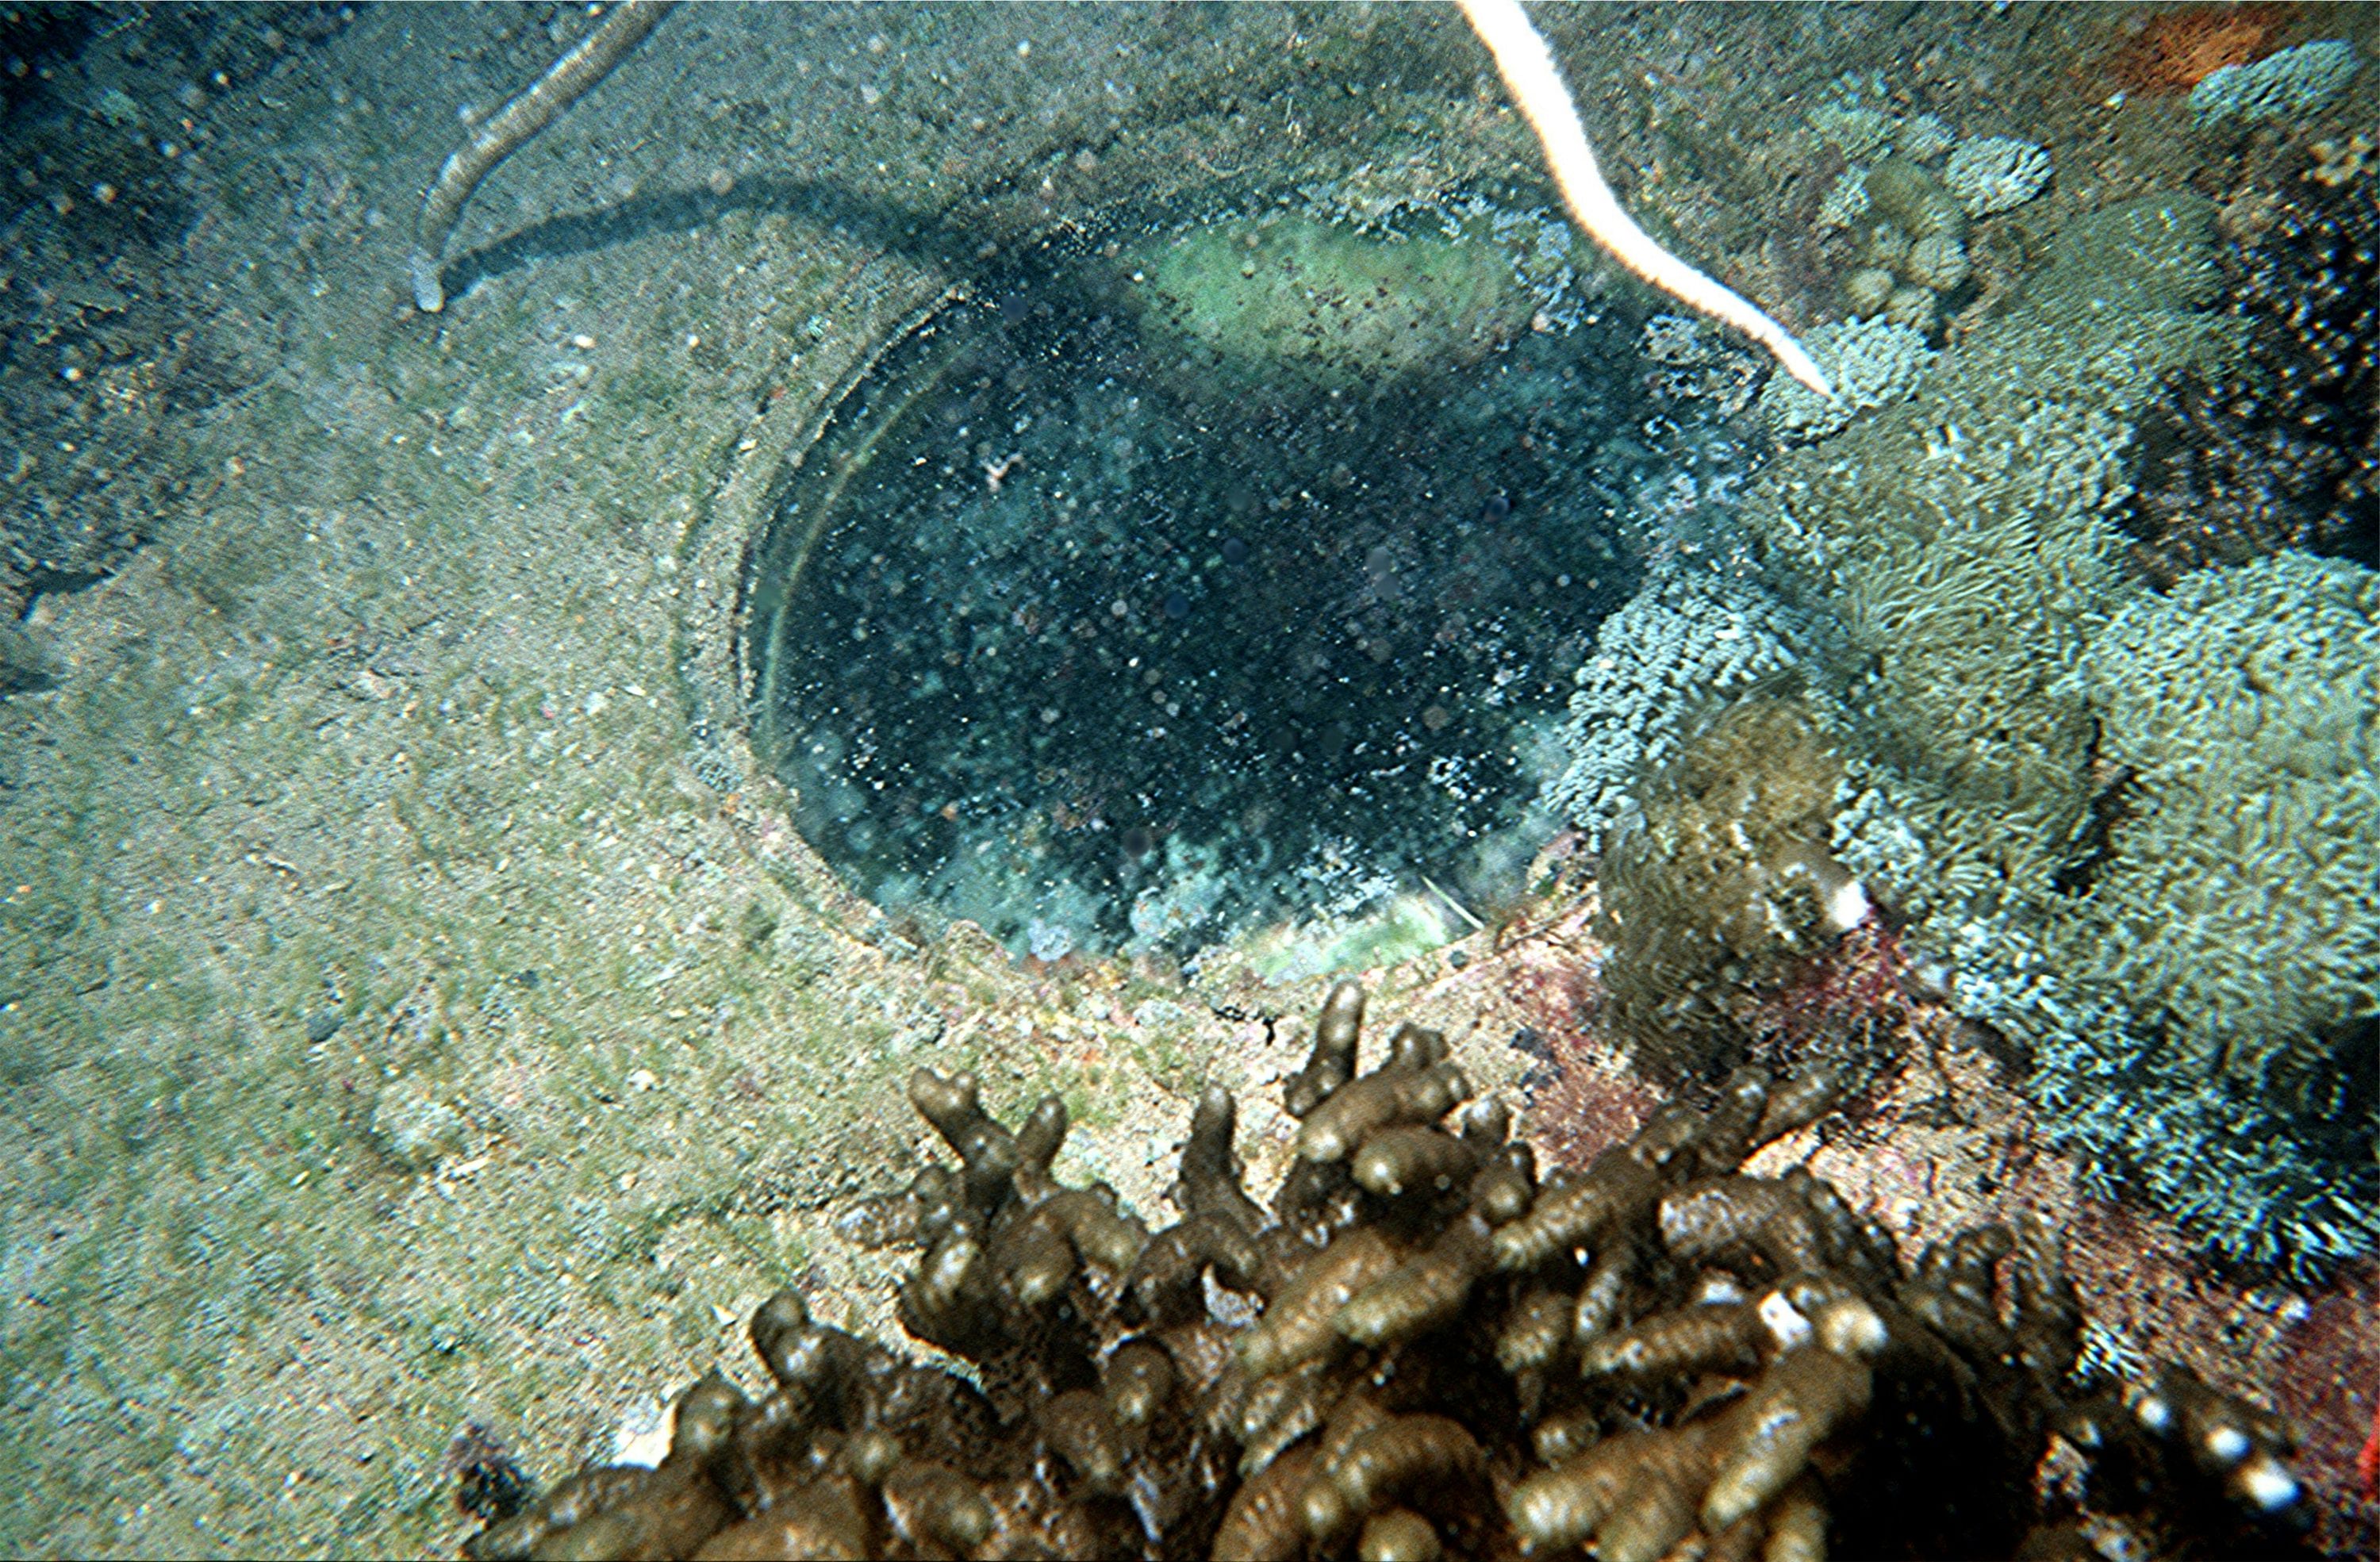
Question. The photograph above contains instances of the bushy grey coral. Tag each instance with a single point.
(1865, 290)
(1913, 308)
(2256, 1178)
(1873, 362)
(1994, 172)
(2237, 911)
(1846, 199)
(1889, 245)
(2255, 1181)
(1987, 556)
(1879, 846)
(1960, 542)
(1690, 637)
(1857, 130)
(2187, 955)
(1923, 138)
(1912, 200)
(2154, 255)
(2287, 86)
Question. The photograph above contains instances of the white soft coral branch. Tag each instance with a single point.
(1528, 69)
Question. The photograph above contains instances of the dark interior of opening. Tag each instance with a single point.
(1053, 633)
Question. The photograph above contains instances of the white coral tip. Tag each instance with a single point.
(1849, 906)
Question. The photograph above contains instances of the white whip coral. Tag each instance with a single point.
(509, 129)
(1527, 65)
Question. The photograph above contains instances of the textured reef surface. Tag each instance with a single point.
(432, 998)
(2077, 615)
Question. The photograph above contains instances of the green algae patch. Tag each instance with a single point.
(1406, 928)
(1252, 300)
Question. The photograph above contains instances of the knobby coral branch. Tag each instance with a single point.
(505, 130)
(1527, 65)
(1423, 1349)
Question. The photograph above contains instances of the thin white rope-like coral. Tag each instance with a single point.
(1526, 62)
(605, 45)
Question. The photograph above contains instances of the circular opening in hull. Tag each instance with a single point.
(1226, 586)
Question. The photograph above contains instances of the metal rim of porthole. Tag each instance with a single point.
(895, 297)
(884, 301)
(881, 303)
(743, 562)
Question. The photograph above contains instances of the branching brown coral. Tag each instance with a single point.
(1448, 1356)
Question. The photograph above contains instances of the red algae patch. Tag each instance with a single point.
(2175, 50)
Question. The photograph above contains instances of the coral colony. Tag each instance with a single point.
(2035, 660)
(1937, 528)
(1423, 1347)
